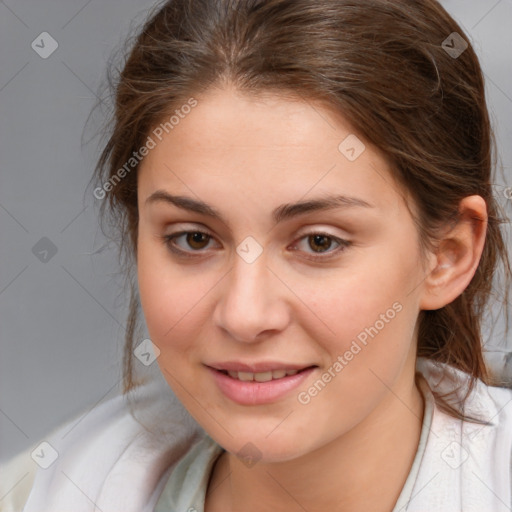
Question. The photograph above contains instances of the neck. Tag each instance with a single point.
(364, 469)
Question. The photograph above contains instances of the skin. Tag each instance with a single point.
(351, 447)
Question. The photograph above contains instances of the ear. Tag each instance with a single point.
(457, 256)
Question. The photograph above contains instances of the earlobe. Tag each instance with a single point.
(458, 255)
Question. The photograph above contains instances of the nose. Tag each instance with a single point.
(252, 302)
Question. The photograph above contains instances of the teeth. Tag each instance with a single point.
(261, 376)
(245, 376)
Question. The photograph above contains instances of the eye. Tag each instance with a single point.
(320, 243)
(196, 240)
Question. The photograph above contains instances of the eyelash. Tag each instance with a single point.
(169, 239)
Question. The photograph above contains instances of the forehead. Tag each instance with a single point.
(270, 147)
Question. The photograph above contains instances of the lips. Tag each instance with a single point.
(258, 387)
(257, 366)
(259, 376)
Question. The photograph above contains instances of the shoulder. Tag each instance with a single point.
(16, 480)
(189, 478)
(112, 456)
(486, 402)
(470, 461)
(489, 439)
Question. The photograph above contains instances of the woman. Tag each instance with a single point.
(304, 192)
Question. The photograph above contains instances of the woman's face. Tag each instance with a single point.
(274, 281)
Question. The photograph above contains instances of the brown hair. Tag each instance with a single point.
(381, 64)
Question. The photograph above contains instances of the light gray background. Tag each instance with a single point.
(62, 321)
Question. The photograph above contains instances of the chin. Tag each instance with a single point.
(258, 446)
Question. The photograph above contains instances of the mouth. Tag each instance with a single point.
(251, 388)
(263, 376)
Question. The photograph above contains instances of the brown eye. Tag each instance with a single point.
(319, 243)
(196, 239)
(323, 244)
(189, 242)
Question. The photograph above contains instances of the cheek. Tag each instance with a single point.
(347, 303)
(365, 332)
(170, 299)
(369, 341)
(368, 317)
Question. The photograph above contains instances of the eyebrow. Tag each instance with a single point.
(279, 214)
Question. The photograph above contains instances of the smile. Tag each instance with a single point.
(260, 376)
(257, 388)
